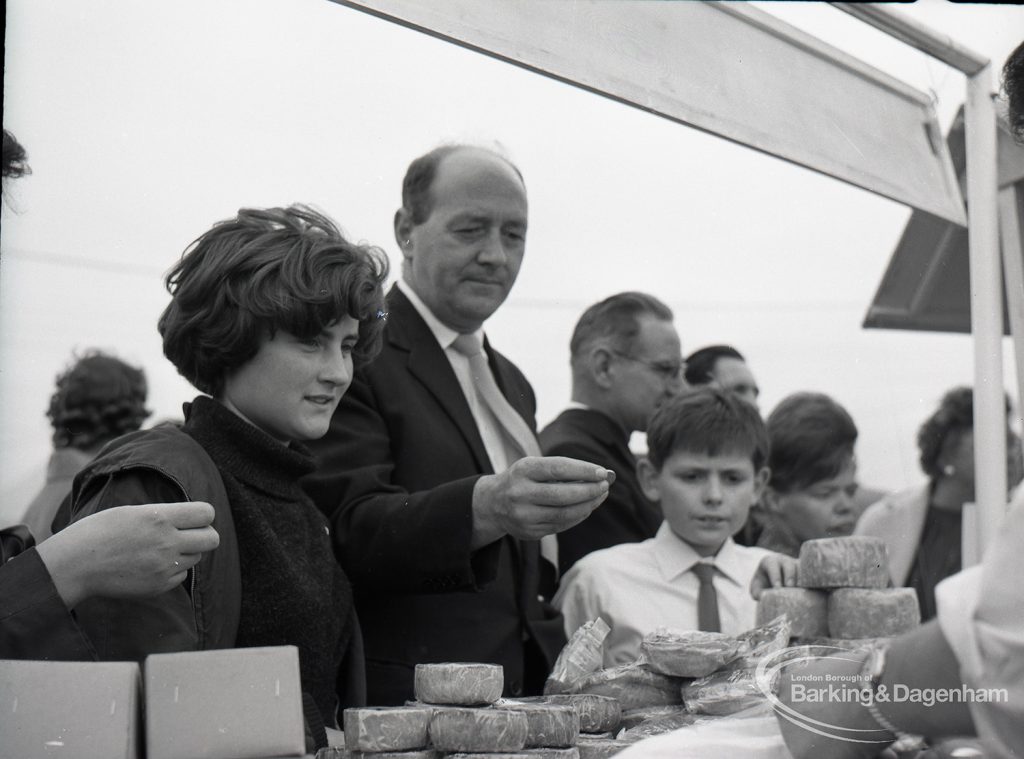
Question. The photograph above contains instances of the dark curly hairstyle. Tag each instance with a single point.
(1013, 87)
(812, 438)
(707, 420)
(419, 178)
(268, 269)
(953, 417)
(97, 398)
(15, 158)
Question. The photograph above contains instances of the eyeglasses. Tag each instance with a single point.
(668, 370)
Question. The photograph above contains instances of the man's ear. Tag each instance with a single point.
(403, 232)
(648, 477)
(761, 482)
(599, 362)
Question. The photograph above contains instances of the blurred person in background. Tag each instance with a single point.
(813, 473)
(626, 360)
(98, 398)
(923, 527)
(126, 552)
(725, 367)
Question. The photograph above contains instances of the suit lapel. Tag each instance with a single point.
(407, 332)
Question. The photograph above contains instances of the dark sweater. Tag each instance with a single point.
(293, 590)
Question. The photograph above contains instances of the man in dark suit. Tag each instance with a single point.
(437, 515)
(626, 359)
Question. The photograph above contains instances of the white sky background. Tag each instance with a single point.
(147, 122)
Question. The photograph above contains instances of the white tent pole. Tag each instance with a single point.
(986, 306)
(983, 238)
(1013, 270)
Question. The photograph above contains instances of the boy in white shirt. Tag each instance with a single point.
(705, 467)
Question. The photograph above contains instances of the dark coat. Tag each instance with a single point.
(626, 516)
(396, 474)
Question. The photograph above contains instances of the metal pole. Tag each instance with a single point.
(986, 306)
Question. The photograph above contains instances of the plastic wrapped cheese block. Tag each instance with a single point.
(598, 714)
(634, 686)
(863, 613)
(474, 730)
(548, 725)
(853, 562)
(582, 655)
(692, 653)
(806, 610)
(425, 753)
(828, 646)
(458, 684)
(725, 692)
(634, 717)
(529, 753)
(397, 728)
(600, 748)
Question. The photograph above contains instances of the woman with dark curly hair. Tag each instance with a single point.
(98, 398)
(269, 312)
(924, 526)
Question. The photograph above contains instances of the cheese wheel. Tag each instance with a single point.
(459, 683)
(853, 562)
(600, 748)
(397, 728)
(806, 610)
(869, 613)
(548, 725)
(598, 714)
(426, 753)
(473, 730)
(692, 653)
(527, 753)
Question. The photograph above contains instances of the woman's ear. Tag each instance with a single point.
(648, 476)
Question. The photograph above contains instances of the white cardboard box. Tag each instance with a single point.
(242, 703)
(78, 710)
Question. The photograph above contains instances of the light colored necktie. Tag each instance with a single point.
(707, 598)
(515, 428)
(512, 425)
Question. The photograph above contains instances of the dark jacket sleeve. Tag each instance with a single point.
(388, 537)
(131, 629)
(34, 621)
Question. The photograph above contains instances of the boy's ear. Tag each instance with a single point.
(761, 482)
(648, 477)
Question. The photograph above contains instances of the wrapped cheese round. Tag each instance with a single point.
(692, 653)
(598, 714)
(871, 613)
(425, 753)
(459, 684)
(853, 562)
(806, 610)
(396, 728)
(548, 725)
(473, 730)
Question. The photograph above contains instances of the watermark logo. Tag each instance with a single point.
(827, 675)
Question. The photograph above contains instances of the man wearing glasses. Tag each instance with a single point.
(626, 359)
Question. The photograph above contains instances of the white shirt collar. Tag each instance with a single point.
(675, 556)
(444, 334)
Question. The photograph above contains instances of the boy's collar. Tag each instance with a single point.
(676, 557)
